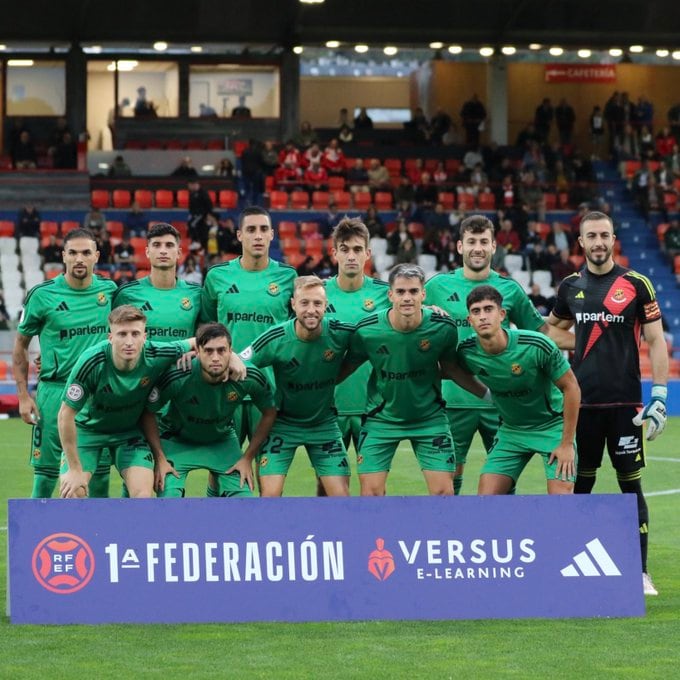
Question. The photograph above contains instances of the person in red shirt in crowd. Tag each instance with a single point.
(508, 238)
(312, 155)
(290, 155)
(415, 173)
(334, 159)
(665, 143)
(316, 178)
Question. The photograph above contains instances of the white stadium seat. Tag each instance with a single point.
(428, 263)
(513, 263)
(522, 278)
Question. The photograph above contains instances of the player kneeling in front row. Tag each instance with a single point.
(306, 354)
(535, 391)
(104, 400)
(197, 430)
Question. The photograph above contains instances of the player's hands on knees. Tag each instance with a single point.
(73, 484)
(184, 362)
(28, 410)
(566, 462)
(245, 469)
(654, 413)
(237, 369)
(161, 469)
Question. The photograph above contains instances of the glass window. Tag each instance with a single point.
(234, 90)
(151, 88)
(36, 88)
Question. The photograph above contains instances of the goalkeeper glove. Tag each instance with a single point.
(654, 412)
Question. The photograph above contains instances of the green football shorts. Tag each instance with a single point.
(464, 422)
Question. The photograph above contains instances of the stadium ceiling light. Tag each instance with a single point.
(123, 65)
(160, 46)
(584, 54)
(508, 50)
(298, 49)
(361, 49)
(455, 49)
(333, 44)
(3, 48)
(312, 2)
(662, 53)
(390, 50)
(436, 45)
(535, 46)
(196, 49)
(615, 52)
(636, 49)
(92, 49)
(486, 51)
(675, 55)
(556, 51)
(20, 62)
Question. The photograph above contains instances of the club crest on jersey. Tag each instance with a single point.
(424, 345)
(144, 381)
(329, 355)
(516, 369)
(154, 395)
(369, 304)
(232, 396)
(102, 299)
(36, 453)
(263, 461)
(619, 295)
(185, 303)
(273, 289)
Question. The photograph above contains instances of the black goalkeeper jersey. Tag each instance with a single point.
(608, 312)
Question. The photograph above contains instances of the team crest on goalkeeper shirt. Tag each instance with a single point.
(369, 304)
(185, 303)
(329, 355)
(102, 299)
(516, 369)
(273, 289)
(232, 396)
(424, 345)
(144, 381)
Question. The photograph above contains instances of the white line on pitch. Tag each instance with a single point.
(663, 460)
(668, 492)
(3, 528)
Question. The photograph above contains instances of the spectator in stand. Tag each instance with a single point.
(124, 256)
(533, 157)
(644, 114)
(143, 107)
(472, 157)
(673, 162)
(363, 120)
(615, 118)
(479, 182)
(596, 131)
(416, 170)
(565, 119)
(270, 158)
(312, 155)
(407, 252)
(227, 239)
(306, 136)
(334, 159)
(440, 125)
(306, 267)
(200, 205)
(473, 115)
(190, 271)
(206, 111)
(405, 191)
(560, 237)
(28, 222)
(533, 236)
(343, 118)
(664, 143)
(531, 195)
(330, 221)
(225, 169)
(440, 176)
(655, 199)
(242, 110)
(508, 238)
(397, 237)
(378, 177)
(212, 244)
(671, 242)
(562, 268)
(119, 168)
(417, 130)
(66, 153)
(674, 120)
(325, 268)
(185, 168)
(136, 222)
(24, 156)
(252, 173)
(426, 192)
(105, 263)
(374, 224)
(561, 178)
(640, 187)
(357, 176)
(540, 258)
(51, 256)
(315, 178)
(346, 134)
(647, 142)
(437, 219)
(539, 300)
(507, 191)
(543, 118)
(57, 135)
(665, 179)
(290, 156)
(95, 220)
(628, 145)
(526, 135)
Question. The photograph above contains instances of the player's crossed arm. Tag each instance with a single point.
(452, 370)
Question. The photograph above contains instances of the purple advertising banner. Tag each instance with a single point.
(331, 559)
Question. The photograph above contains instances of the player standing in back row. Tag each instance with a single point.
(609, 306)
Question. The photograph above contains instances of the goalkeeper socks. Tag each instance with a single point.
(44, 481)
(585, 480)
(628, 485)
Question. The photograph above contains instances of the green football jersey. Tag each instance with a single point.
(405, 384)
(304, 371)
(108, 400)
(67, 321)
(521, 378)
(171, 313)
(248, 303)
(351, 307)
(449, 291)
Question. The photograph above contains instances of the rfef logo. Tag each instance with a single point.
(381, 561)
(63, 563)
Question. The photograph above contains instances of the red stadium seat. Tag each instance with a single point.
(343, 199)
(447, 199)
(6, 228)
(213, 196)
(416, 229)
(181, 227)
(452, 166)
(121, 198)
(69, 225)
(269, 183)
(563, 200)
(393, 166)
(486, 201)
(139, 246)
(661, 230)
(362, 200)
(294, 259)
(115, 228)
(195, 145)
(577, 260)
(383, 200)
(228, 199)
(314, 248)
(99, 198)
(336, 183)
(174, 145)
(52, 273)
(47, 228)
(670, 201)
(676, 264)
(215, 145)
(550, 200)
(183, 198)
(287, 229)
(299, 200)
(466, 201)
(145, 198)
(164, 198)
(239, 146)
(289, 245)
(309, 230)
(278, 200)
(320, 200)
(621, 260)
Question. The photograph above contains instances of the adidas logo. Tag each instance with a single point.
(580, 296)
(482, 372)
(62, 307)
(232, 289)
(343, 463)
(330, 309)
(454, 298)
(146, 307)
(194, 401)
(382, 350)
(585, 566)
(293, 363)
(106, 389)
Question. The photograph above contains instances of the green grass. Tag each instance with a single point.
(583, 648)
